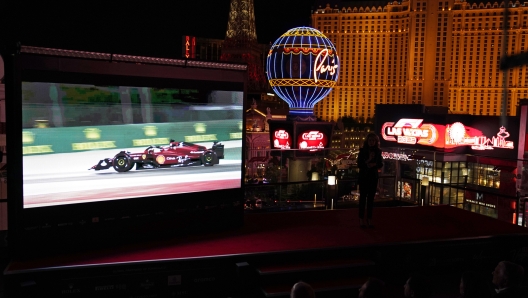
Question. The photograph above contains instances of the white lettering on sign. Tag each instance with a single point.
(321, 68)
(395, 156)
(481, 203)
(485, 143)
(313, 135)
(406, 140)
(281, 134)
(425, 163)
(410, 131)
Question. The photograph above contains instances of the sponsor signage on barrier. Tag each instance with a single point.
(76, 139)
(201, 138)
(149, 142)
(93, 145)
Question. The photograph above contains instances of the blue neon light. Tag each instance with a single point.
(302, 68)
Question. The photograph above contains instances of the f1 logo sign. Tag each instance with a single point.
(281, 134)
(312, 136)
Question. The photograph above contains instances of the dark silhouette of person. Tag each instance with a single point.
(369, 162)
(372, 288)
(302, 290)
(417, 286)
(473, 285)
(507, 278)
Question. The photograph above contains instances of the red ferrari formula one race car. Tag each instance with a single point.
(177, 154)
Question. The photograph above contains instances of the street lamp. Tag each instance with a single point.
(331, 189)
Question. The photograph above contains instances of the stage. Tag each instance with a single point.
(243, 261)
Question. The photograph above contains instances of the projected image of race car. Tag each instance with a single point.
(176, 154)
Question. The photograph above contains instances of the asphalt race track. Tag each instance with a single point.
(58, 179)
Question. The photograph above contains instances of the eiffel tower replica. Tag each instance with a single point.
(241, 46)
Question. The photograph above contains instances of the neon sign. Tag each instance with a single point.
(281, 139)
(394, 156)
(414, 131)
(479, 200)
(302, 68)
(312, 140)
(456, 135)
(190, 47)
(410, 131)
(321, 68)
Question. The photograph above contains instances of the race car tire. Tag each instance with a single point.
(208, 158)
(123, 163)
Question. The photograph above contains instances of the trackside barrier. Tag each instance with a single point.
(84, 138)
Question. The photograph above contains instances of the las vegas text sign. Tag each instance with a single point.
(414, 131)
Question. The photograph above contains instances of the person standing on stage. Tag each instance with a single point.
(369, 162)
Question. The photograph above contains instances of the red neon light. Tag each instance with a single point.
(190, 47)
(312, 140)
(414, 131)
(187, 47)
(193, 48)
(281, 139)
(410, 131)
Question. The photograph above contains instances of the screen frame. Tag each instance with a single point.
(52, 225)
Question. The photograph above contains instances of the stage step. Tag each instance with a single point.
(323, 288)
(307, 265)
(329, 276)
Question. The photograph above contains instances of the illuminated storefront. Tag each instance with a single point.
(460, 160)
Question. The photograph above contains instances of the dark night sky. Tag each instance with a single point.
(143, 29)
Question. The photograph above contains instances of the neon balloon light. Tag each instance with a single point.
(302, 68)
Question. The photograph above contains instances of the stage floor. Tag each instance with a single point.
(292, 231)
(399, 232)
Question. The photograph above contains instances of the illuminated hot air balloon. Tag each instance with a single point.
(302, 68)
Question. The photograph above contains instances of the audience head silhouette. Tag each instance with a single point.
(507, 275)
(473, 285)
(302, 290)
(417, 286)
(372, 288)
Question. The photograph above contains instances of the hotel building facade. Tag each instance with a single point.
(436, 53)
